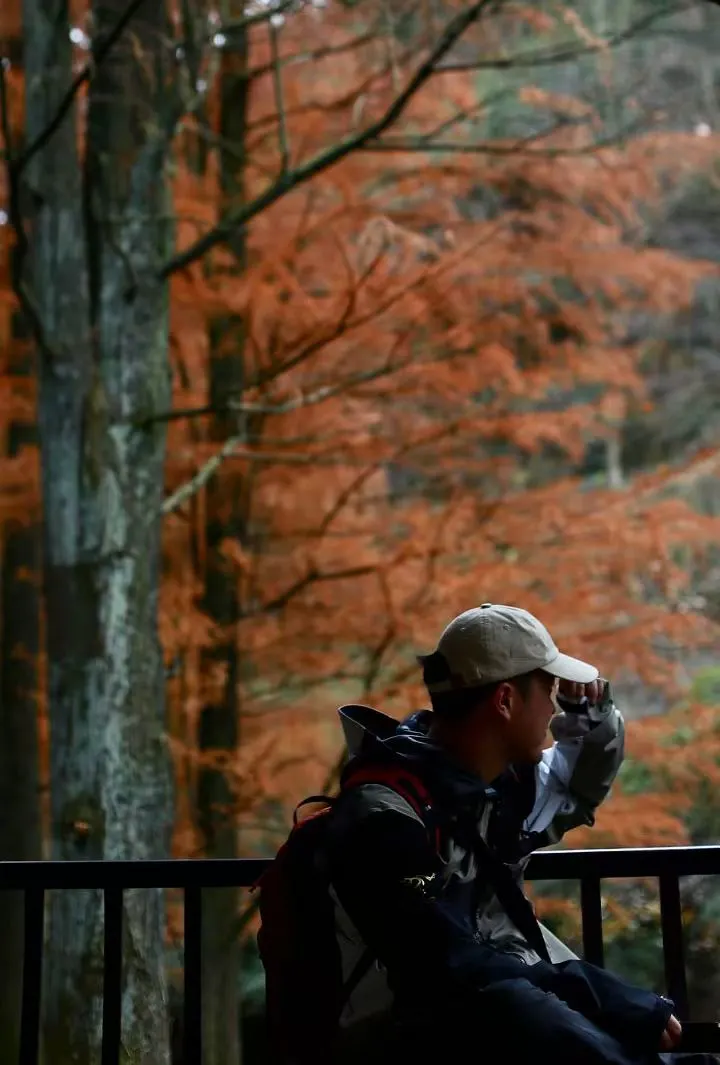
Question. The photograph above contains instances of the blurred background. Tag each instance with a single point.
(321, 322)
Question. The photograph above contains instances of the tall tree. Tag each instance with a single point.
(226, 522)
(98, 232)
(20, 688)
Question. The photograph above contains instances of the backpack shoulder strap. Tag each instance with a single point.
(405, 783)
(324, 801)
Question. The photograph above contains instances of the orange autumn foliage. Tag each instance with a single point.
(679, 756)
(387, 333)
(419, 327)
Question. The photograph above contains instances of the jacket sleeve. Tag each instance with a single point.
(576, 773)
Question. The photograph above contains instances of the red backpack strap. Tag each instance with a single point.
(405, 783)
(324, 801)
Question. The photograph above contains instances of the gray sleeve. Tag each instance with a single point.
(576, 773)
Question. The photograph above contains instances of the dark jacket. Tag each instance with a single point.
(431, 919)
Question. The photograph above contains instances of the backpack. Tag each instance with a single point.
(304, 989)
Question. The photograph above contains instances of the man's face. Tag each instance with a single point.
(529, 717)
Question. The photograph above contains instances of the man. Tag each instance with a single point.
(459, 961)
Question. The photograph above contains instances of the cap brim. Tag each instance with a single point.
(573, 669)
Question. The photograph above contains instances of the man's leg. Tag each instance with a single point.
(689, 1059)
(511, 1023)
(529, 1025)
(526, 1018)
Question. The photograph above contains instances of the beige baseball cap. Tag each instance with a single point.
(491, 643)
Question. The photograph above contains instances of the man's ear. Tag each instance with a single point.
(503, 699)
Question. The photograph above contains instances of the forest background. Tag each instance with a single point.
(320, 322)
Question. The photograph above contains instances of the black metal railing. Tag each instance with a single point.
(666, 864)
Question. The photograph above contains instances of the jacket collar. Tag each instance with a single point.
(371, 734)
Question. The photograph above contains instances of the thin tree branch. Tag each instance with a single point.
(323, 161)
(431, 437)
(520, 148)
(279, 100)
(203, 475)
(342, 328)
(231, 448)
(568, 54)
(312, 56)
(313, 576)
(305, 399)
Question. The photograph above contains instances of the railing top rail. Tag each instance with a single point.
(625, 862)
(148, 873)
(244, 872)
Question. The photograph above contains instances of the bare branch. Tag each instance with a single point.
(279, 99)
(305, 399)
(570, 53)
(323, 161)
(342, 328)
(312, 56)
(231, 448)
(313, 576)
(431, 437)
(517, 148)
(201, 478)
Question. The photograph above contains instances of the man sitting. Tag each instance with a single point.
(442, 953)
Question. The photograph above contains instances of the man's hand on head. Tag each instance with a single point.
(593, 692)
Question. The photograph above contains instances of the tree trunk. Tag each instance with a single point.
(20, 834)
(613, 461)
(103, 372)
(219, 722)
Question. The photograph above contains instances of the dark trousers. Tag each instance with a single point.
(513, 1023)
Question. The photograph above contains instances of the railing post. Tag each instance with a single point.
(33, 936)
(112, 974)
(592, 932)
(673, 946)
(192, 1004)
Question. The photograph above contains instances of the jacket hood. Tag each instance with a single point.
(371, 734)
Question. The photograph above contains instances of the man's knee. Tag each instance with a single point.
(519, 993)
(524, 1017)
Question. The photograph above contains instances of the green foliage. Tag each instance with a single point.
(636, 777)
(703, 817)
(706, 687)
(681, 737)
(636, 954)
